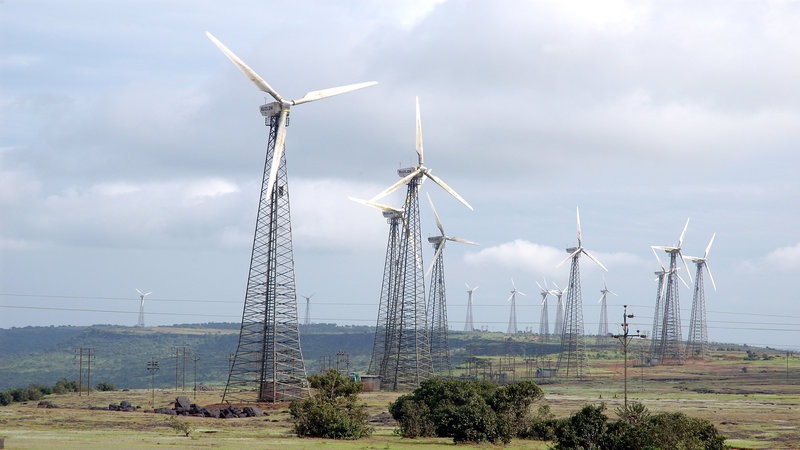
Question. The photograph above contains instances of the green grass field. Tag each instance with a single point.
(756, 407)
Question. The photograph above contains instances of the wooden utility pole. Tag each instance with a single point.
(625, 338)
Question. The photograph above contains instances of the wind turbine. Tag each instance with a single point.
(307, 320)
(142, 295)
(437, 303)
(268, 364)
(544, 323)
(387, 306)
(602, 330)
(408, 360)
(573, 348)
(559, 294)
(468, 325)
(512, 319)
(698, 331)
(668, 348)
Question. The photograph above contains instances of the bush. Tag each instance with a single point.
(467, 411)
(179, 426)
(333, 411)
(64, 386)
(5, 399)
(105, 386)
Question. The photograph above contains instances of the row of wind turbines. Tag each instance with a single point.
(411, 333)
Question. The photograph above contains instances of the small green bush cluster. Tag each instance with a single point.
(333, 411)
(466, 410)
(636, 429)
(35, 392)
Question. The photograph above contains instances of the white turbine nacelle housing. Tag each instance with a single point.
(406, 171)
(271, 109)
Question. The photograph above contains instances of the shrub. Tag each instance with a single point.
(467, 411)
(179, 426)
(333, 411)
(64, 386)
(5, 399)
(105, 386)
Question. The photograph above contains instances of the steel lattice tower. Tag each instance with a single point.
(468, 324)
(408, 359)
(387, 307)
(268, 364)
(544, 321)
(669, 349)
(572, 359)
(512, 318)
(602, 329)
(658, 315)
(437, 312)
(558, 328)
(307, 318)
(698, 332)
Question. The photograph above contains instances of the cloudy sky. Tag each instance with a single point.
(131, 153)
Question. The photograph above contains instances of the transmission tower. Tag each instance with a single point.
(468, 324)
(268, 364)
(572, 360)
(669, 349)
(697, 341)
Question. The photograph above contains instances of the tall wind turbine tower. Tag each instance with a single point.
(468, 324)
(602, 329)
(698, 332)
(544, 321)
(572, 358)
(268, 364)
(512, 318)
(658, 314)
(559, 293)
(142, 295)
(307, 319)
(437, 299)
(408, 360)
(387, 306)
(669, 349)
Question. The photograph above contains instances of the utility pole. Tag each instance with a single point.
(178, 349)
(195, 358)
(152, 367)
(625, 338)
(88, 351)
(788, 354)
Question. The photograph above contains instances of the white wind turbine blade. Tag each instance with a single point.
(658, 259)
(467, 285)
(280, 141)
(708, 269)
(435, 216)
(375, 205)
(511, 296)
(705, 255)
(435, 257)
(601, 298)
(594, 259)
(447, 188)
(569, 257)
(403, 181)
(578, 216)
(463, 241)
(688, 272)
(420, 153)
(251, 74)
(521, 293)
(140, 292)
(330, 92)
(683, 233)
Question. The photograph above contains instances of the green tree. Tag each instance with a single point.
(333, 411)
(5, 398)
(105, 386)
(467, 411)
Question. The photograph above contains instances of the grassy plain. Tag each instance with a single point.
(755, 404)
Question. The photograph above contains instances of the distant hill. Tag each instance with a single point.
(43, 355)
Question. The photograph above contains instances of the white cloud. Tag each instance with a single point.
(784, 258)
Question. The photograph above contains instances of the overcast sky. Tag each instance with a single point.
(131, 153)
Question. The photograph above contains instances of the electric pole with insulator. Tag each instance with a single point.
(625, 338)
